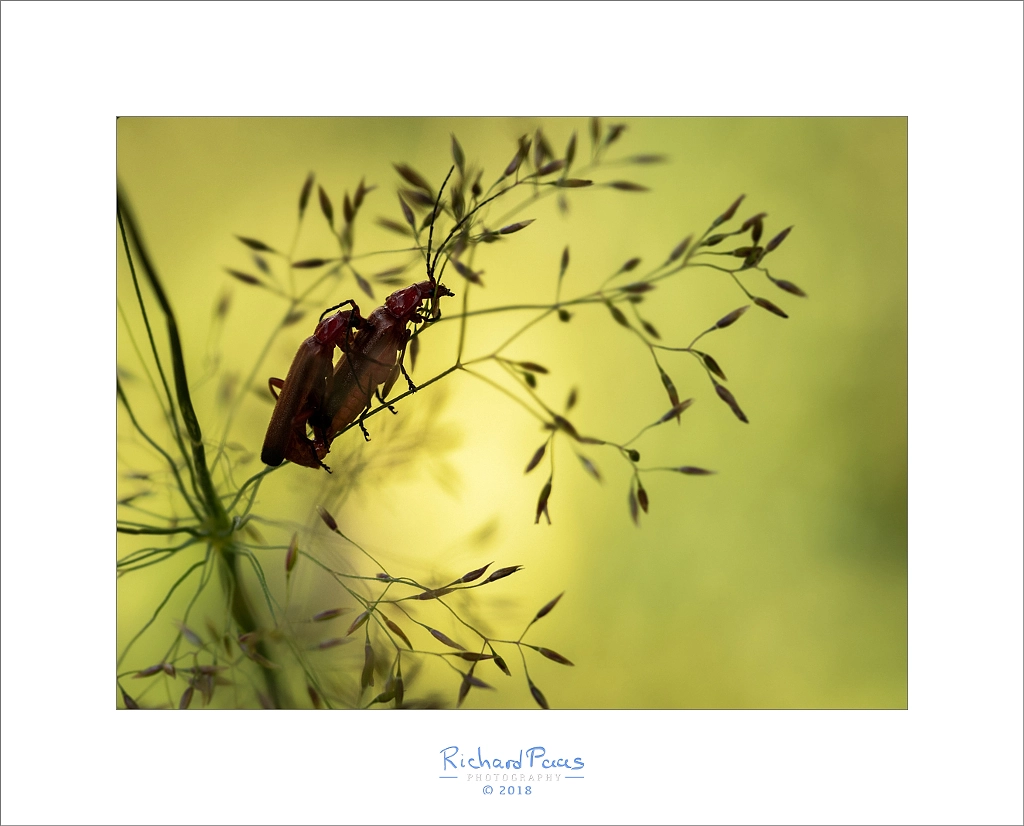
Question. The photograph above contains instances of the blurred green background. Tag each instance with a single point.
(779, 582)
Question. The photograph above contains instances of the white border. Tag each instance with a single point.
(954, 68)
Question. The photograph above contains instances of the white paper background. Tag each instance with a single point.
(955, 69)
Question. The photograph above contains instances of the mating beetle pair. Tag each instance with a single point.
(326, 397)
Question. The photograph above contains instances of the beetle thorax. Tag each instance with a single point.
(403, 303)
(331, 329)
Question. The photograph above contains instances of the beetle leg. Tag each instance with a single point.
(272, 383)
(401, 362)
(362, 427)
(362, 416)
(401, 365)
(316, 458)
(380, 398)
(350, 302)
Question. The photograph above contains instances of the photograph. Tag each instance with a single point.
(404, 413)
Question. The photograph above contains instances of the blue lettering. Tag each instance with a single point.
(481, 761)
(535, 756)
(535, 752)
(447, 757)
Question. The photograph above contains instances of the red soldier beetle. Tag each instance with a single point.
(304, 389)
(327, 400)
(376, 358)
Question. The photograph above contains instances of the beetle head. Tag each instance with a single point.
(404, 303)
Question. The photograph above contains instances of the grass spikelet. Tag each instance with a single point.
(475, 574)
(628, 186)
(508, 230)
(292, 556)
(445, 639)
(326, 207)
(778, 239)
(501, 573)
(730, 318)
(259, 246)
(537, 456)
(307, 187)
(726, 396)
(689, 470)
(552, 655)
(548, 607)
(641, 496)
(357, 623)
(334, 642)
(542, 503)
(727, 215)
(765, 304)
(330, 614)
(129, 701)
(368, 662)
(538, 696)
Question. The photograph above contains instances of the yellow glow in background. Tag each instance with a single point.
(779, 582)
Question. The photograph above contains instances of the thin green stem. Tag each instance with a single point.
(170, 462)
(172, 415)
(188, 414)
(507, 392)
(150, 530)
(160, 607)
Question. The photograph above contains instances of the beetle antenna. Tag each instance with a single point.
(433, 220)
(465, 219)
